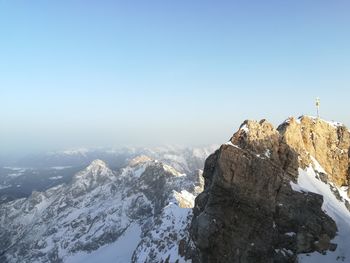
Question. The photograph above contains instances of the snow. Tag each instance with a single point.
(335, 209)
(139, 171)
(56, 177)
(185, 197)
(174, 157)
(334, 124)
(284, 251)
(4, 186)
(14, 175)
(297, 187)
(317, 166)
(15, 168)
(173, 222)
(343, 191)
(203, 153)
(80, 151)
(118, 252)
(16, 171)
(290, 234)
(267, 153)
(231, 144)
(60, 167)
(173, 171)
(188, 196)
(244, 128)
(71, 217)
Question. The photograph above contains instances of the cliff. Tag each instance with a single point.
(254, 208)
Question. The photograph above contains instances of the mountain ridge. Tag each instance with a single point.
(69, 221)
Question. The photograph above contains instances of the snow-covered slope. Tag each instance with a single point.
(134, 215)
(335, 203)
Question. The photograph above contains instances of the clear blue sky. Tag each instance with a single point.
(113, 73)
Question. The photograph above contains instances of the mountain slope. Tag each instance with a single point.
(97, 212)
(262, 201)
(40, 172)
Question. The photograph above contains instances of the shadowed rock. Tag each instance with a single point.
(248, 211)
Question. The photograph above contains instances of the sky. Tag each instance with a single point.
(185, 72)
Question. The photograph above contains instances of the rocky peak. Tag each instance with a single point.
(141, 159)
(327, 142)
(258, 137)
(248, 211)
(263, 140)
(96, 167)
(92, 176)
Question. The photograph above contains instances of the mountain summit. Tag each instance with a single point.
(276, 195)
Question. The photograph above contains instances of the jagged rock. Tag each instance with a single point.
(326, 142)
(248, 211)
(139, 159)
(263, 140)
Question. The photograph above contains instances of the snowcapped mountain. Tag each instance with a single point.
(182, 158)
(146, 204)
(39, 172)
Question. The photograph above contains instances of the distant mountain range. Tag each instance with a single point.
(39, 172)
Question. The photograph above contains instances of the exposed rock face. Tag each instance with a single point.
(327, 142)
(262, 139)
(248, 211)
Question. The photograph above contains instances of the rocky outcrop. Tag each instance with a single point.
(324, 141)
(263, 140)
(139, 159)
(248, 211)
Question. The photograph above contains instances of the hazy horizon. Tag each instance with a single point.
(113, 74)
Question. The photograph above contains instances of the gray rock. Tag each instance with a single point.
(248, 211)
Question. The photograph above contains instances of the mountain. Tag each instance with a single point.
(182, 158)
(138, 214)
(39, 172)
(276, 195)
(267, 195)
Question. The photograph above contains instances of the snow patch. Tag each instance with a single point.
(244, 128)
(267, 153)
(297, 187)
(56, 177)
(231, 144)
(334, 124)
(118, 252)
(139, 171)
(60, 167)
(5, 186)
(335, 209)
(290, 234)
